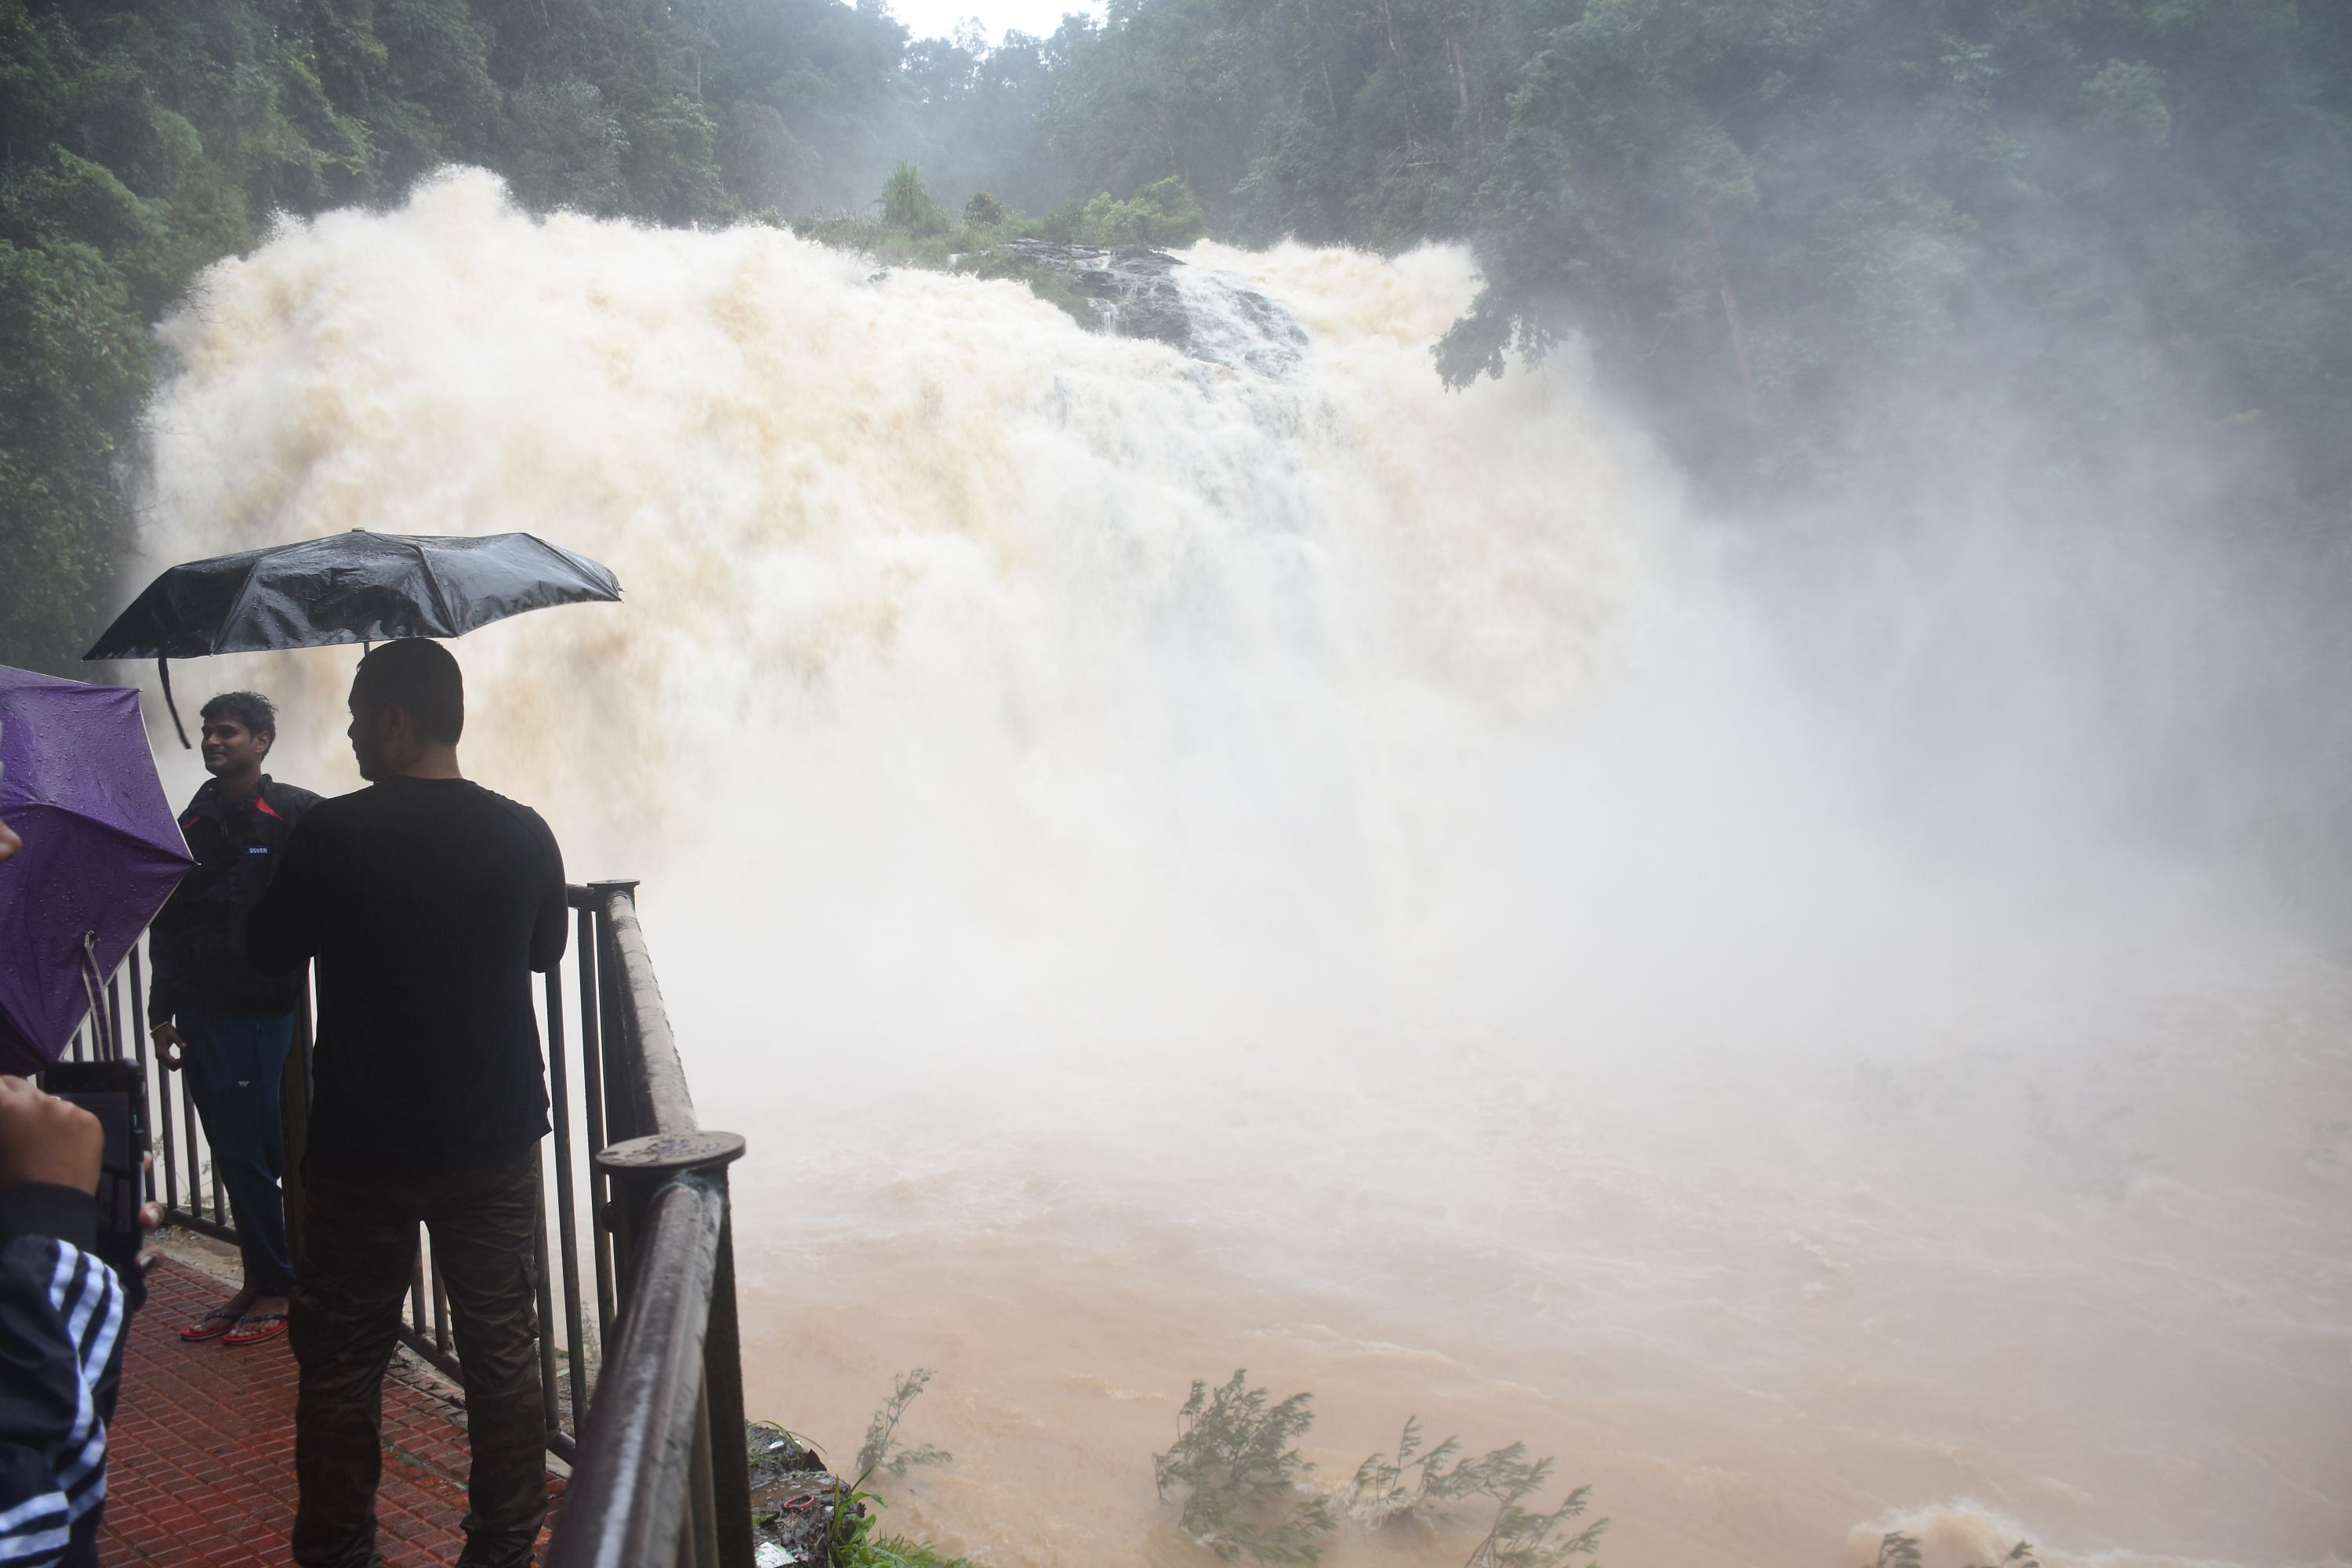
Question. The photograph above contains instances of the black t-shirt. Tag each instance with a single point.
(428, 903)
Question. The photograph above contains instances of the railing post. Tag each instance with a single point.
(718, 1511)
(728, 1506)
(623, 1102)
(722, 1378)
(592, 1083)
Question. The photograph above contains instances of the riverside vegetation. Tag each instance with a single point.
(837, 1519)
(1237, 1476)
(1896, 1549)
(1234, 1473)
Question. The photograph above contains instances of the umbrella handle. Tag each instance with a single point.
(164, 669)
(92, 984)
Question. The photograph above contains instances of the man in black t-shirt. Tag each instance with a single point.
(426, 902)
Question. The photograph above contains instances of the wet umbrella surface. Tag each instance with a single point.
(359, 586)
(102, 851)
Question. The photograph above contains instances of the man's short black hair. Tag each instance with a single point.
(419, 675)
(250, 708)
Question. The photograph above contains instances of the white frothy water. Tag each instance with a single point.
(1175, 867)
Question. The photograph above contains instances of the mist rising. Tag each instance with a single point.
(1179, 868)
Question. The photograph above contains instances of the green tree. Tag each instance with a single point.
(906, 203)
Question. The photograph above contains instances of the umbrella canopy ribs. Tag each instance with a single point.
(355, 587)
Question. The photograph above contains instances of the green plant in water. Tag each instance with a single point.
(1521, 1538)
(1896, 1549)
(1418, 1481)
(849, 1538)
(898, 1551)
(1414, 1480)
(882, 1450)
(1235, 1465)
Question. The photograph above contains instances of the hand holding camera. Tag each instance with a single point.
(45, 1139)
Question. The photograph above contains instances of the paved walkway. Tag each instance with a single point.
(200, 1462)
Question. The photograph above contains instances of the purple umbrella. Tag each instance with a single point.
(102, 851)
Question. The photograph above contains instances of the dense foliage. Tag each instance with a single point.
(1763, 212)
(142, 139)
(2093, 221)
(1236, 1473)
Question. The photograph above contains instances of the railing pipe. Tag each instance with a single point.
(592, 1075)
(722, 1382)
(632, 1492)
(567, 1224)
(664, 1104)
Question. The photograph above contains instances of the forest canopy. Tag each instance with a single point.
(1758, 216)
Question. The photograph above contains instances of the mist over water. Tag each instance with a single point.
(1176, 868)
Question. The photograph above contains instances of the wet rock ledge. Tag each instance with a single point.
(1135, 291)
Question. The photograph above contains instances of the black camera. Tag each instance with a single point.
(116, 1093)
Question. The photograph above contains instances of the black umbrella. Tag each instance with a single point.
(347, 587)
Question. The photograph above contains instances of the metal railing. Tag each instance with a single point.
(637, 1294)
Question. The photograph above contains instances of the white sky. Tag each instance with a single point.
(938, 18)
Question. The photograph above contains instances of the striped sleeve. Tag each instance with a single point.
(61, 1322)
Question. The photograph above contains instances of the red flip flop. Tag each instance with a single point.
(202, 1328)
(272, 1325)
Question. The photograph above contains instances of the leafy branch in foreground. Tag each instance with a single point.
(1896, 1549)
(1380, 1491)
(1522, 1539)
(882, 1450)
(898, 1551)
(1517, 1539)
(1235, 1462)
(850, 1540)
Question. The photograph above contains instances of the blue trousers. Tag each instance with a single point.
(235, 1067)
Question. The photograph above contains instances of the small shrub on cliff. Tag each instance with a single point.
(1165, 214)
(906, 203)
(1234, 1463)
(898, 1551)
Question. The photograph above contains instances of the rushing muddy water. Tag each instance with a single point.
(1180, 866)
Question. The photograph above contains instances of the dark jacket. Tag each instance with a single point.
(197, 945)
(61, 1322)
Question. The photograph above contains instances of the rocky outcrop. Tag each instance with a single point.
(793, 1499)
(1135, 291)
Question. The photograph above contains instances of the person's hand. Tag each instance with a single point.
(169, 1044)
(45, 1139)
(9, 842)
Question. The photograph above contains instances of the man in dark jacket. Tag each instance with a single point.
(426, 902)
(227, 1023)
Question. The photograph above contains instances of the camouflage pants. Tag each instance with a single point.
(358, 1245)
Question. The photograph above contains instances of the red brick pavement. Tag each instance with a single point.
(200, 1459)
